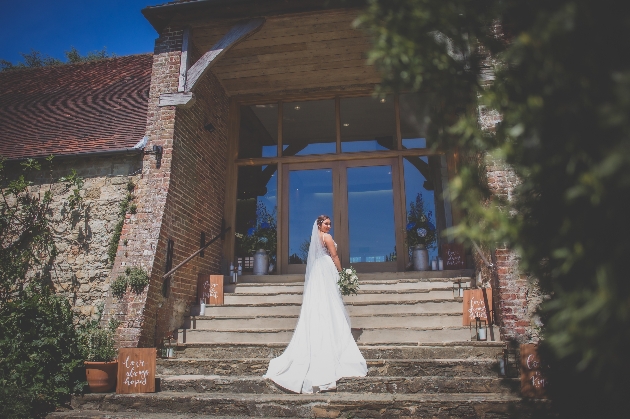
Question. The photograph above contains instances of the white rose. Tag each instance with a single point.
(348, 271)
(354, 277)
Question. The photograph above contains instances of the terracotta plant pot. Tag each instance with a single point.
(101, 376)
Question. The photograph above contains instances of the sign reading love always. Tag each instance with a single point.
(136, 370)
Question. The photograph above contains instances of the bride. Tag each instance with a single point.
(322, 349)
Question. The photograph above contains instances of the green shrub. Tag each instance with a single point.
(97, 344)
(137, 278)
(119, 286)
(125, 206)
(40, 361)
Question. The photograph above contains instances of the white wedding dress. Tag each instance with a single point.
(322, 349)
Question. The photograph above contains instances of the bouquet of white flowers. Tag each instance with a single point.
(348, 281)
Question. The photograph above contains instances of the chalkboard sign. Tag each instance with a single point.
(533, 382)
(474, 305)
(136, 370)
(453, 256)
(210, 289)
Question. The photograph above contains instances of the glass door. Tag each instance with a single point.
(370, 197)
(309, 192)
(360, 198)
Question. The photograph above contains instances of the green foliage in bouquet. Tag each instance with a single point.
(420, 229)
(348, 281)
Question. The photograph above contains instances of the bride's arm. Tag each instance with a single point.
(330, 244)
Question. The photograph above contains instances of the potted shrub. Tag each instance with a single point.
(421, 233)
(99, 351)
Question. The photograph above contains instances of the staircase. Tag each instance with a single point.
(421, 362)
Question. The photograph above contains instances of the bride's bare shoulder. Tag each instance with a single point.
(327, 238)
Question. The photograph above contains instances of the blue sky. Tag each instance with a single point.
(52, 26)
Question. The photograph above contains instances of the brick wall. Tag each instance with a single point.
(517, 295)
(177, 199)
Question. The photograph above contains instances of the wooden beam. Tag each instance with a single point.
(185, 60)
(182, 99)
(234, 36)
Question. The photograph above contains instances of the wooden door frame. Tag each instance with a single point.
(340, 215)
(283, 222)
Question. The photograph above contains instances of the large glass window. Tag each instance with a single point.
(258, 134)
(425, 179)
(367, 124)
(310, 195)
(256, 216)
(309, 128)
(371, 214)
(414, 119)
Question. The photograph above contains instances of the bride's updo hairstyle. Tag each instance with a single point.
(321, 219)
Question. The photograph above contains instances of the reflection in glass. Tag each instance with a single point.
(371, 214)
(368, 124)
(256, 203)
(308, 128)
(310, 195)
(258, 133)
(425, 178)
(414, 119)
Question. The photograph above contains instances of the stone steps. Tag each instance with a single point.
(433, 294)
(394, 385)
(364, 336)
(328, 405)
(366, 286)
(421, 362)
(354, 309)
(376, 367)
(289, 322)
(453, 350)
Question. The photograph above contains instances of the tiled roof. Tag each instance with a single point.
(77, 108)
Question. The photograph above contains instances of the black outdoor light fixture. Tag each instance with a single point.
(209, 127)
(157, 150)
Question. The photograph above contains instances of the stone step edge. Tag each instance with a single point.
(463, 343)
(348, 303)
(364, 292)
(368, 361)
(281, 330)
(172, 397)
(97, 414)
(295, 316)
(186, 377)
(366, 281)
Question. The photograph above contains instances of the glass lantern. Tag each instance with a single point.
(458, 289)
(480, 332)
(168, 347)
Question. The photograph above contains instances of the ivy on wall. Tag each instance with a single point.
(126, 206)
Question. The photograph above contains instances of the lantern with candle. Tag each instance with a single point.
(480, 333)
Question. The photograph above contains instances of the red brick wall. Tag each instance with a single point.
(516, 296)
(176, 200)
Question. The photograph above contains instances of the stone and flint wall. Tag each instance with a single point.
(177, 198)
(81, 270)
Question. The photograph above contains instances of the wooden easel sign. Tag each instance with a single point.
(136, 370)
(532, 381)
(210, 289)
(474, 305)
(453, 256)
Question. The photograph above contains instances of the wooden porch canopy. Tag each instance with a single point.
(266, 47)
